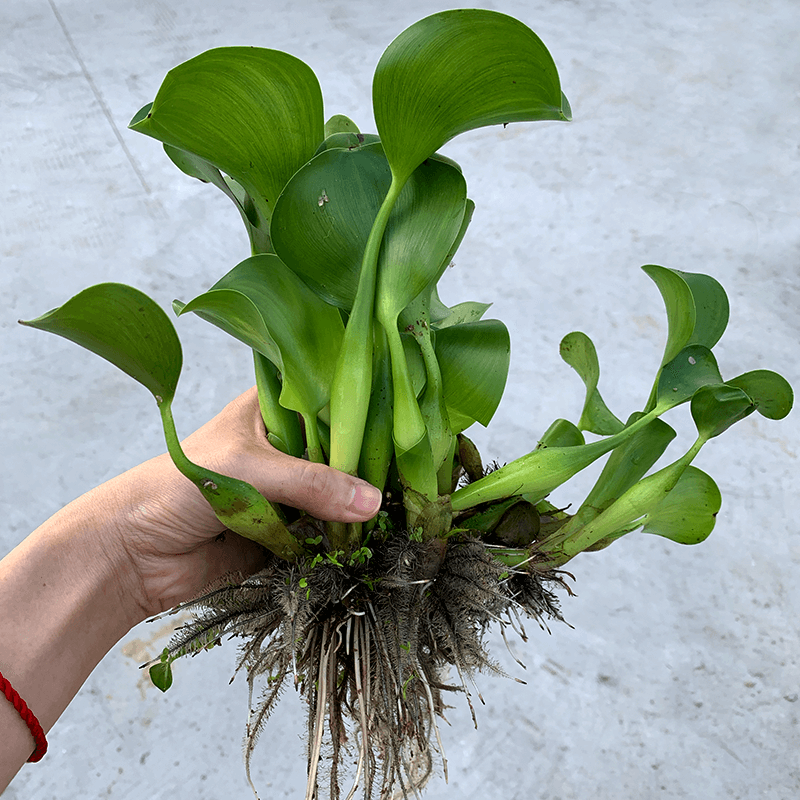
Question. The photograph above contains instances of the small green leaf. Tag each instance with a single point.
(123, 326)
(562, 433)
(474, 360)
(578, 350)
(718, 406)
(161, 675)
(688, 513)
(339, 123)
(697, 310)
(444, 317)
(771, 392)
(693, 367)
(347, 141)
(253, 113)
(455, 71)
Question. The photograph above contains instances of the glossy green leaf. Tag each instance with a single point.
(127, 328)
(323, 219)
(771, 392)
(694, 367)
(718, 406)
(687, 515)
(130, 330)
(578, 350)
(474, 360)
(455, 71)
(264, 304)
(697, 310)
(253, 113)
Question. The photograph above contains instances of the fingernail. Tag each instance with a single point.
(366, 499)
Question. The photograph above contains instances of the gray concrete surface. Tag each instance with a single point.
(681, 676)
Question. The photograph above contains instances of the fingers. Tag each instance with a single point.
(322, 491)
(319, 490)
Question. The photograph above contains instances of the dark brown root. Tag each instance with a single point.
(370, 648)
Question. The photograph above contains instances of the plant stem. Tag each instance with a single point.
(313, 445)
(283, 427)
(236, 504)
(541, 471)
(352, 380)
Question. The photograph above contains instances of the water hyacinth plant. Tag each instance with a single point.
(361, 366)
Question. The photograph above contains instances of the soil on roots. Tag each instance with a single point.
(371, 647)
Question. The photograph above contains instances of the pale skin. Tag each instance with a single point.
(134, 547)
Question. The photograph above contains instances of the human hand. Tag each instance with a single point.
(168, 536)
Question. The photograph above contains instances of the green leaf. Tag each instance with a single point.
(455, 71)
(474, 360)
(161, 675)
(339, 123)
(123, 326)
(697, 310)
(693, 367)
(687, 515)
(427, 220)
(718, 406)
(130, 330)
(253, 113)
(444, 317)
(578, 350)
(264, 304)
(771, 392)
(322, 220)
(562, 433)
(347, 141)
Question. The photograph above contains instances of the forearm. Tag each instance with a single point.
(63, 608)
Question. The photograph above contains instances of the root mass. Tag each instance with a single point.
(371, 648)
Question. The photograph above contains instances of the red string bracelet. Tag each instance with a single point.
(28, 716)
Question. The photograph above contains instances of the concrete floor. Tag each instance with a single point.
(681, 676)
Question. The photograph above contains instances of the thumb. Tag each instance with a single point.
(321, 491)
(237, 435)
